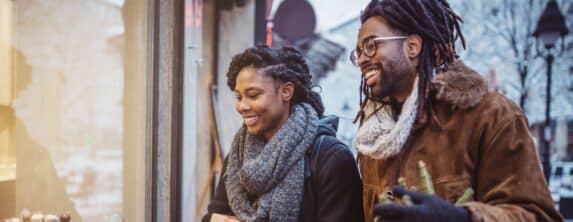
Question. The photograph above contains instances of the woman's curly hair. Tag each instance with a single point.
(284, 64)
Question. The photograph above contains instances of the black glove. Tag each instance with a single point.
(429, 208)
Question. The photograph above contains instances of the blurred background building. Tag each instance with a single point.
(119, 108)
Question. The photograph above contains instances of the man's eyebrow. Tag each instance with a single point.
(370, 36)
(367, 37)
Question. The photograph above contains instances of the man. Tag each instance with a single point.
(466, 136)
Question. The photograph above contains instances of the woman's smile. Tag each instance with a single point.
(250, 120)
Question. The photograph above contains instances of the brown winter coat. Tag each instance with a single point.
(480, 140)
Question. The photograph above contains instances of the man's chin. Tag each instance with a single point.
(376, 93)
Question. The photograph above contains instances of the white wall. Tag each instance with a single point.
(237, 32)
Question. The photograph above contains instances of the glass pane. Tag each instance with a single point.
(73, 108)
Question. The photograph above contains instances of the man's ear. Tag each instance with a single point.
(287, 91)
(413, 46)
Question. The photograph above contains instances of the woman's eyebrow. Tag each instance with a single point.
(252, 88)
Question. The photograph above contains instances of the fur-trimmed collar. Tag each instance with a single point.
(459, 85)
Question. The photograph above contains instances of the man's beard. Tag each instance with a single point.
(396, 77)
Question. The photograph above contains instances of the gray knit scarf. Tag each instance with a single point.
(271, 174)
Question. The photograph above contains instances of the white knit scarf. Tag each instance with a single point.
(380, 137)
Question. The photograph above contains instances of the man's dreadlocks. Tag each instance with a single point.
(438, 26)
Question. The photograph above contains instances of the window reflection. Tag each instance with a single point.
(72, 108)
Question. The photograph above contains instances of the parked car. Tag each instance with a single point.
(561, 187)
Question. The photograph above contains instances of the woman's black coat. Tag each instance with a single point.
(332, 185)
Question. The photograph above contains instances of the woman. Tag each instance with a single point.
(284, 164)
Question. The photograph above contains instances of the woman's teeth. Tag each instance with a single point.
(250, 119)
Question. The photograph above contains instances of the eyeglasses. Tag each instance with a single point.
(369, 47)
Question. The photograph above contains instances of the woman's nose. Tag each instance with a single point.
(242, 106)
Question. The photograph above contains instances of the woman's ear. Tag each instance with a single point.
(413, 46)
(287, 91)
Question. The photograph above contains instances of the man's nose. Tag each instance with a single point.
(362, 60)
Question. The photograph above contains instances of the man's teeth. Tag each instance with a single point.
(370, 74)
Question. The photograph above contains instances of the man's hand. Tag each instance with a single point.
(426, 207)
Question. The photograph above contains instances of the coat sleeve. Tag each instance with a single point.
(509, 181)
(339, 188)
(219, 204)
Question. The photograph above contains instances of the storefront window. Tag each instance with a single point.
(73, 108)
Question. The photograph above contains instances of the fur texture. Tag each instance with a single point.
(460, 86)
